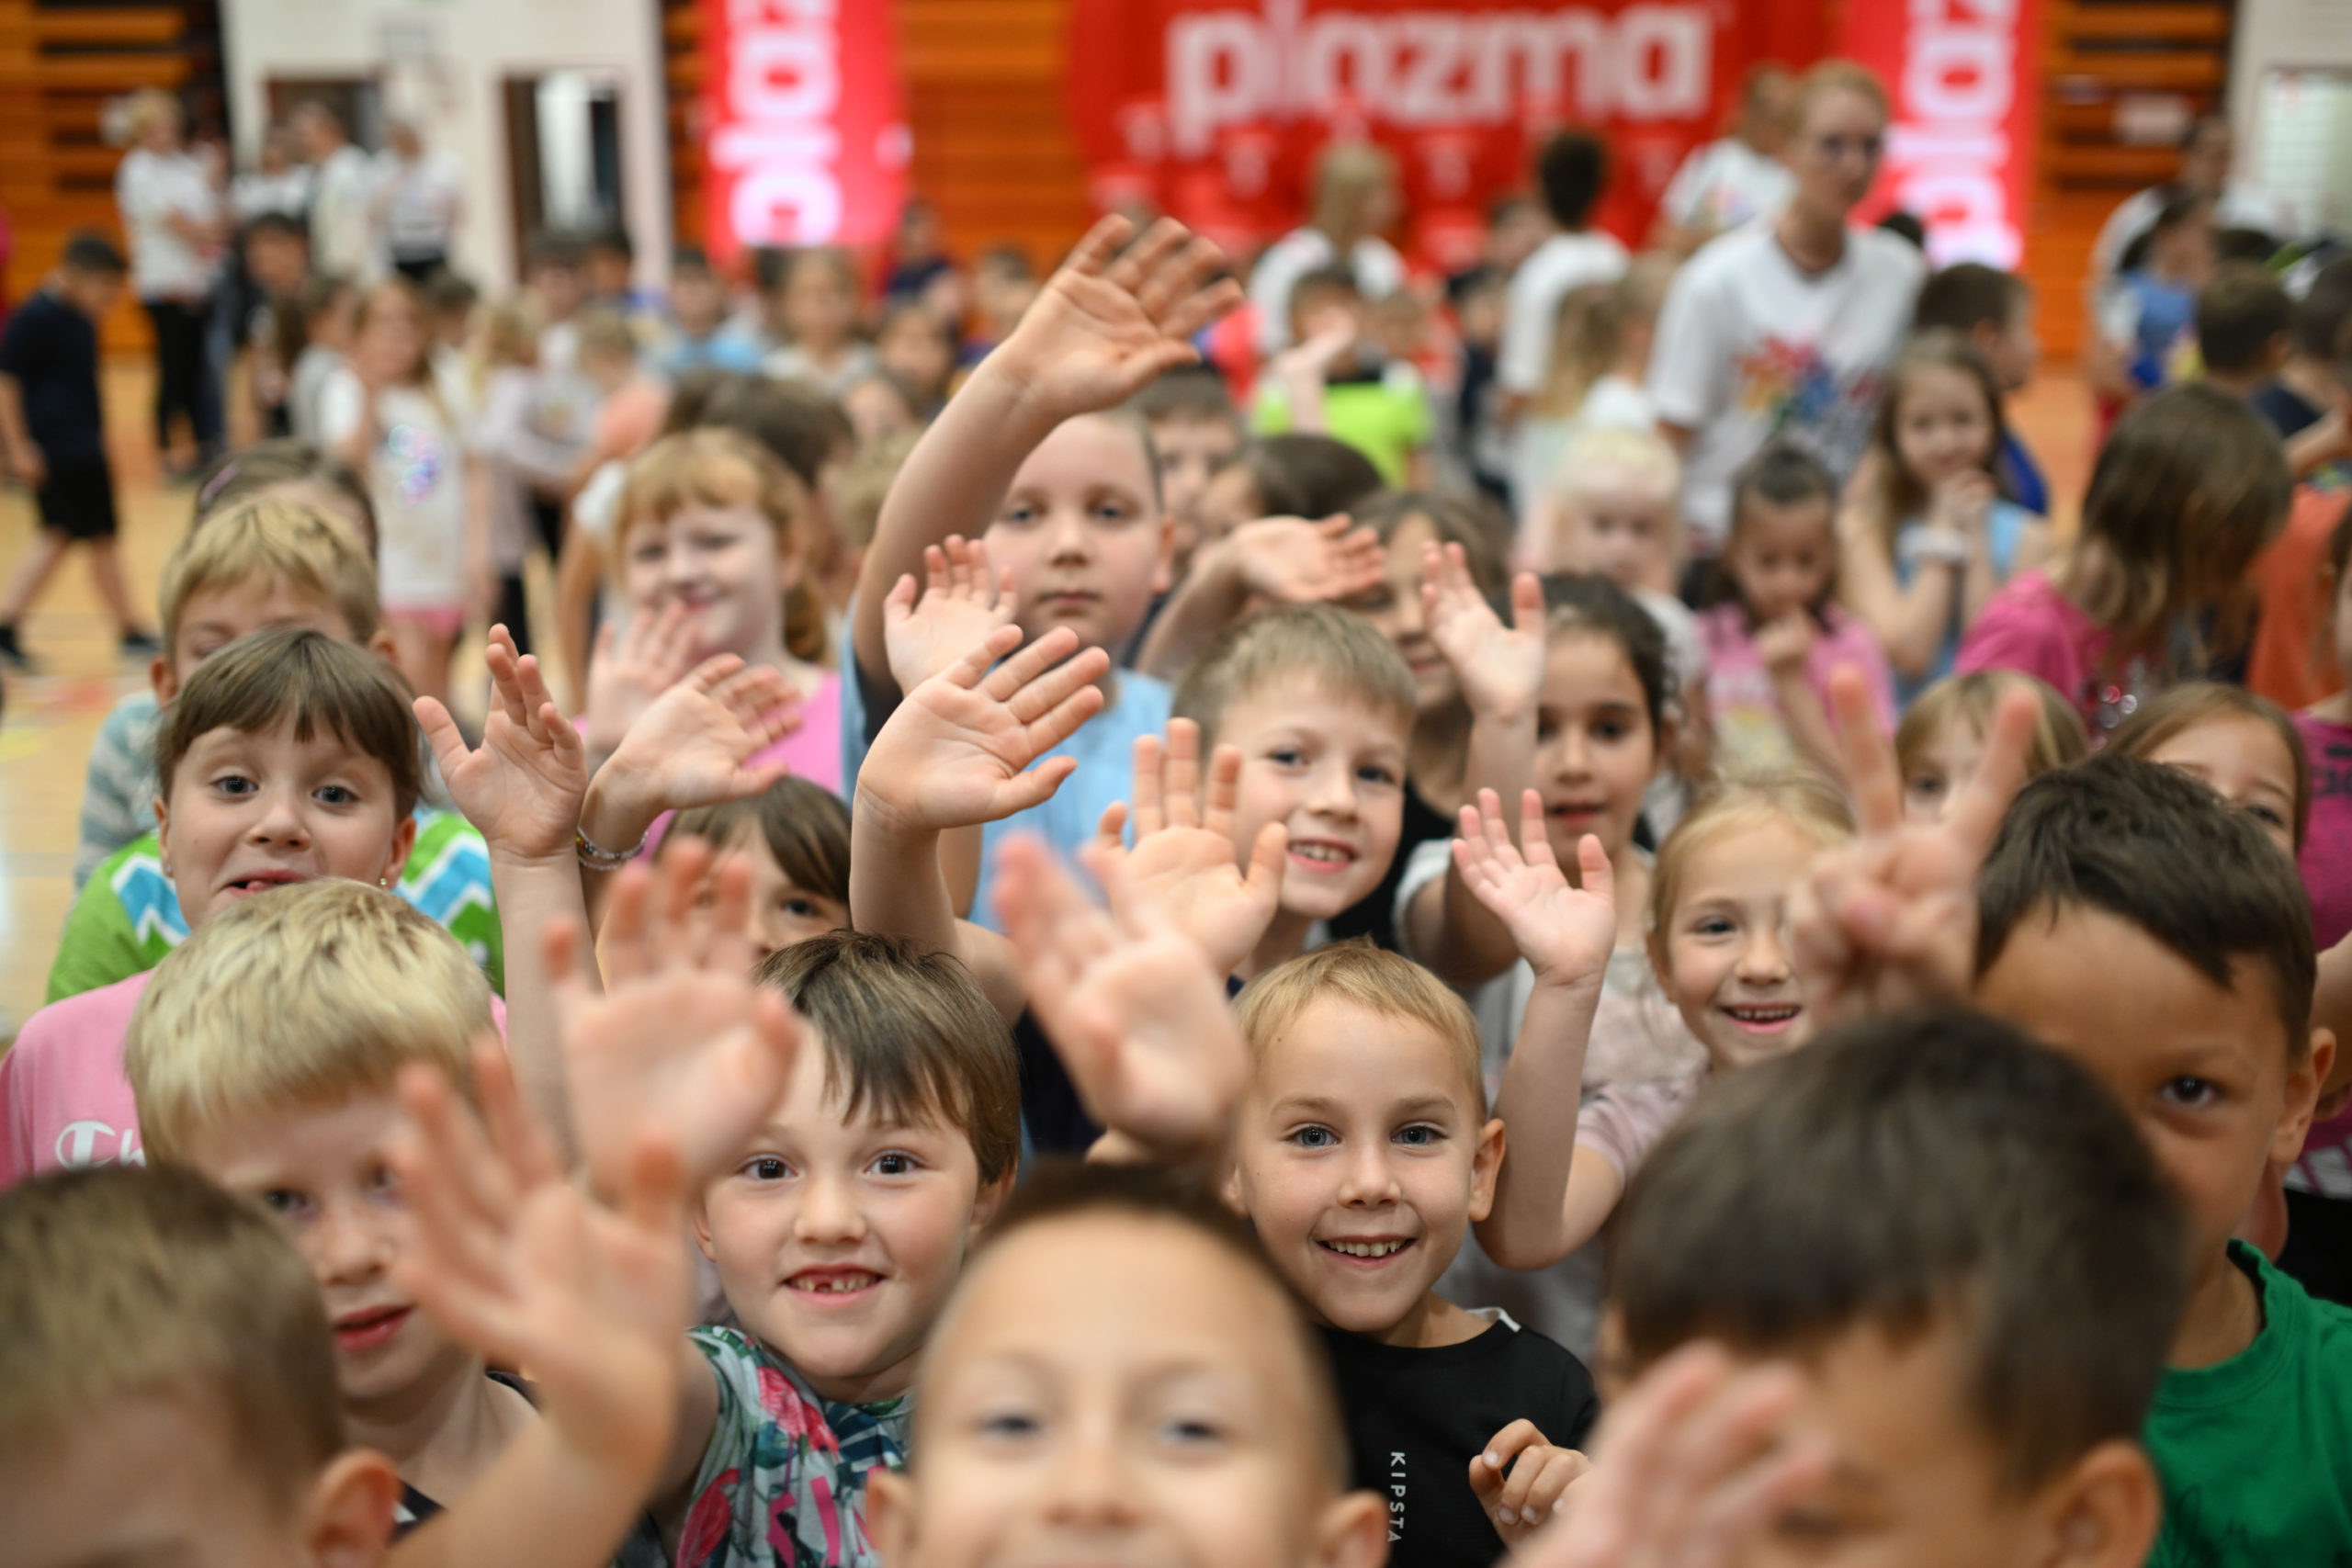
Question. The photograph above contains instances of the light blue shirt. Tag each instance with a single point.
(2004, 525)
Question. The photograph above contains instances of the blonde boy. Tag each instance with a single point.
(1362, 1155)
(263, 565)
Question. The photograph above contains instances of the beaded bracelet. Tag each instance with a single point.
(597, 858)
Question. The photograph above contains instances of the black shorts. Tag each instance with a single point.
(78, 499)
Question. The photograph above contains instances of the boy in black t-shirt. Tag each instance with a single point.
(52, 434)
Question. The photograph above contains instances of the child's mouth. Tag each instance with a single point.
(262, 881)
(364, 1331)
(1321, 856)
(1760, 1020)
(1367, 1252)
(833, 1284)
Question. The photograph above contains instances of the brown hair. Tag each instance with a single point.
(2059, 741)
(1340, 652)
(2169, 713)
(907, 1037)
(252, 472)
(804, 825)
(1379, 981)
(1899, 493)
(718, 467)
(258, 683)
(120, 1282)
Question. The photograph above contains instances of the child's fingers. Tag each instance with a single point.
(1172, 273)
(1975, 816)
(1036, 787)
(716, 671)
(1269, 855)
(622, 942)
(441, 732)
(1062, 720)
(679, 871)
(1492, 824)
(899, 603)
(514, 1131)
(1111, 827)
(656, 1191)
(1146, 814)
(1224, 792)
(1198, 310)
(1594, 874)
(1527, 602)
(1535, 833)
(979, 664)
(731, 911)
(1182, 801)
(1136, 265)
(1057, 685)
(1489, 1466)
(1093, 253)
(1550, 1475)
(1048, 652)
(935, 571)
(1868, 754)
(1734, 1515)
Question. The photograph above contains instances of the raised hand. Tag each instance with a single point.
(524, 1268)
(1112, 319)
(963, 600)
(681, 1046)
(1962, 504)
(1186, 862)
(694, 745)
(1889, 920)
(1692, 1466)
(1785, 643)
(1500, 668)
(952, 755)
(1564, 933)
(1297, 562)
(522, 785)
(632, 668)
(1523, 1501)
(1135, 1014)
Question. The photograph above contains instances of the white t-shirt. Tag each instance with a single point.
(151, 188)
(2241, 205)
(416, 477)
(1725, 184)
(343, 216)
(1531, 318)
(286, 192)
(1751, 347)
(1379, 270)
(1539, 442)
(420, 200)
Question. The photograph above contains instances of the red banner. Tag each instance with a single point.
(1959, 154)
(804, 123)
(1213, 111)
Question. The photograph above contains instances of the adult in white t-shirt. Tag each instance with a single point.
(1571, 171)
(1725, 184)
(420, 201)
(342, 198)
(2205, 159)
(1355, 199)
(176, 224)
(1786, 327)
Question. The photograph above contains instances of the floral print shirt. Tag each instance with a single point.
(783, 1483)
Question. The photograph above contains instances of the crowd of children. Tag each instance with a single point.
(1074, 959)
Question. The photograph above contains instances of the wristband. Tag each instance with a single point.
(595, 857)
(1939, 544)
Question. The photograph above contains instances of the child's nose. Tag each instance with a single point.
(829, 1211)
(348, 1246)
(281, 820)
(1334, 792)
(1764, 957)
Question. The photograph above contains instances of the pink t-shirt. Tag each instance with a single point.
(63, 1098)
(1751, 733)
(2028, 625)
(2327, 843)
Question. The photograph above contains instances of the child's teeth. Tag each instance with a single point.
(1366, 1248)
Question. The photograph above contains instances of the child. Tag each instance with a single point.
(1333, 380)
(1197, 429)
(1362, 1155)
(2246, 747)
(2188, 487)
(259, 568)
(55, 439)
(817, 301)
(515, 461)
(795, 836)
(1940, 742)
(2327, 728)
(1004, 287)
(390, 417)
(1064, 492)
(1952, 1243)
(163, 1329)
(1104, 1293)
(917, 344)
(1601, 353)
(324, 310)
(1927, 538)
(1716, 908)
(700, 337)
(1774, 633)
(2288, 662)
(2242, 321)
(1286, 476)
(2145, 317)
(1994, 310)
(881, 403)
(629, 402)
(292, 547)
(555, 285)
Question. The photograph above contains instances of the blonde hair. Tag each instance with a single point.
(277, 541)
(606, 332)
(119, 1283)
(1799, 798)
(2059, 739)
(305, 995)
(510, 335)
(1838, 76)
(2183, 708)
(713, 465)
(1333, 649)
(145, 107)
(1618, 448)
(1372, 979)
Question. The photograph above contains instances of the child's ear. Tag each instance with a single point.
(347, 1522)
(699, 1223)
(1352, 1533)
(890, 1516)
(164, 833)
(2103, 1512)
(989, 1201)
(2303, 1081)
(403, 840)
(162, 679)
(380, 645)
(1485, 1165)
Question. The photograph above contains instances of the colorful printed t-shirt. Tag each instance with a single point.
(128, 915)
(1751, 732)
(782, 1482)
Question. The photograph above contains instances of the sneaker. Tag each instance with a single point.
(13, 654)
(139, 645)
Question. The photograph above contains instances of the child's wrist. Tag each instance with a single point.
(617, 810)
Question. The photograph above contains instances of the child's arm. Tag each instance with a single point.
(1785, 646)
(1909, 620)
(1522, 1502)
(1889, 921)
(1500, 671)
(522, 789)
(516, 1264)
(1552, 1194)
(1105, 324)
(1692, 1467)
(629, 670)
(23, 455)
(1186, 863)
(1287, 559)
(953, 755)
(1135, 1013)
(1301, 370)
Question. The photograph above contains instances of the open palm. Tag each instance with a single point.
(1111, 319)
(964, 599)
(523, 784)
(694, 743)
(1564, 933)
(1498, 666)
(1186, 862)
